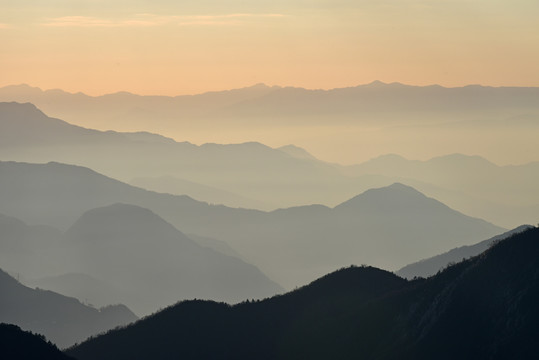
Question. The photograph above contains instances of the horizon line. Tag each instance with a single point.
(262, 84)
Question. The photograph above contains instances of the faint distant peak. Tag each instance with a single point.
(387, 160)
(461, 159)
(120, 95)
(296, 151)
(252, 145)
(381, 84)
(259, 86)
(389, 157)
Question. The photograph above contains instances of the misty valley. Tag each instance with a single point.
(119, 241)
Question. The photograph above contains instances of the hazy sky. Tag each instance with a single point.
(178, 47)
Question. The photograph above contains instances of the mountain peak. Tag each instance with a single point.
(394, 195)
(124, 220)
(296, 151)
(19, 110)
(376, 83)
(381, 84)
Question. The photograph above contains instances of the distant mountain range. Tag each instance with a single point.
(252, 175)
(367, 103)
(388, 227)
(485, 307)
(26, 134)
(154, 264)
(63, 320)
(127, 254)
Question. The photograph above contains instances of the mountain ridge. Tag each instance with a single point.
(63, 320)
(387, 240)
(358, 311)
(430, 266)
(372, 84)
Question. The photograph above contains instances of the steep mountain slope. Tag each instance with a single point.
(63, 320)
(430, 266)
(23, 345)
(154, 264)
(483, 308)
(290, 245)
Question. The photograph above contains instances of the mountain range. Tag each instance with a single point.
(346, 125)
(481, 308)
(388, 227)
(368, 102)
(127, 216)
(127, 254)
(428, 267)
(252, 175)
(63, 320)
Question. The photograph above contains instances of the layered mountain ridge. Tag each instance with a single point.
(487, 305)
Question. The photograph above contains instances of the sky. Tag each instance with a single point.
(166, 47)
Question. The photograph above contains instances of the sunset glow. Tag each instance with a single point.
(173, 48)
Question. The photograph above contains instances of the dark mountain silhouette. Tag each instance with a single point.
(431, 266)
(63, 320)
(290, 245)
(485, 307)
(24, 345)
(153, 264)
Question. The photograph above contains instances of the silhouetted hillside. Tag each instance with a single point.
(482, 308)
(290, 245)
(428, 267)
(63, 320)
(215, 330)
(23, 345)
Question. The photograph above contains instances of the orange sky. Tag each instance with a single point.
(177, 47)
